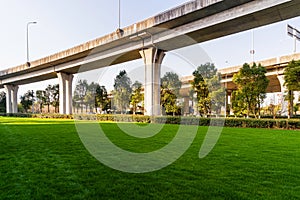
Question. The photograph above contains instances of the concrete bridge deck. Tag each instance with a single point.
(275, 68)
(190, 23)
(193, 22)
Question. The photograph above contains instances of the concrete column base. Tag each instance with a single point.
(65, 93)
(152, 59)
(11, 98)
(8, 89)
(186, 106)
(15, 99)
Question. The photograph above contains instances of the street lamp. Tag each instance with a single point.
(119, 14)
(119, 31)
(295, 33)
(27, 41)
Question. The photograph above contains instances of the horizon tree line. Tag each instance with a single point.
(206, 90)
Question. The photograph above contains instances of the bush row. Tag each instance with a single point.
(228, 122)
(232, 122)
(263, 123)
(114, 118)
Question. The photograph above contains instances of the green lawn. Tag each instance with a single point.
(45, 159)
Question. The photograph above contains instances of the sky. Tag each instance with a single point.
(64, 24)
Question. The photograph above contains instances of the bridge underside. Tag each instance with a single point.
(194, 22)
(274, 85)
(219, 19)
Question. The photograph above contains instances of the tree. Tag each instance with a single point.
(217, 93)
(27, 100)
(122, 91)
(80, 93)
(252, 84)
(2, 102)
(136, 96)
(40, 97)
(274, 109)
(168, 101)
(239, 105)
(90, 97)
(55, 96)
(76, 103)
(292, 82)
(200, 87)
(47, 97)
(170, 87)
(101, 98)
(171, 80)
(208, 90)
(207, 71)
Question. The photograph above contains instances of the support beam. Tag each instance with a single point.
(226, 103)
(65, 93)
(15, 98)
(8, 89)
(297, 96)
(69, 94)
(186, 106)
(152, 59)
(11, 98)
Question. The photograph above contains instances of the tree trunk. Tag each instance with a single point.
(258, 109)
(248, 111)
(290, 103)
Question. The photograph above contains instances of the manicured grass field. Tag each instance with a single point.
(45, 159)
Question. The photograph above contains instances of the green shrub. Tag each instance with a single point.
(233, 122)
(52, 116)
(190, 120)
(28, 115)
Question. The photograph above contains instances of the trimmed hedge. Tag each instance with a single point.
(28, 115)
(228, 122)
(52, 116)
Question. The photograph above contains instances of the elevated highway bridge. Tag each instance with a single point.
(275, 73)
(193, 22)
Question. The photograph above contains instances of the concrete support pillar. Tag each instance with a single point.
(11, 98)
(227, 101)
(69, 94)
(65, 93)
(15, 99)
(8, 90)
(297, 97)
(152, 58)
(186, 106)
(195, 105)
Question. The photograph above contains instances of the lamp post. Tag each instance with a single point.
(27, 42)
(119, 14)
(293, 32)
(119, 31)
